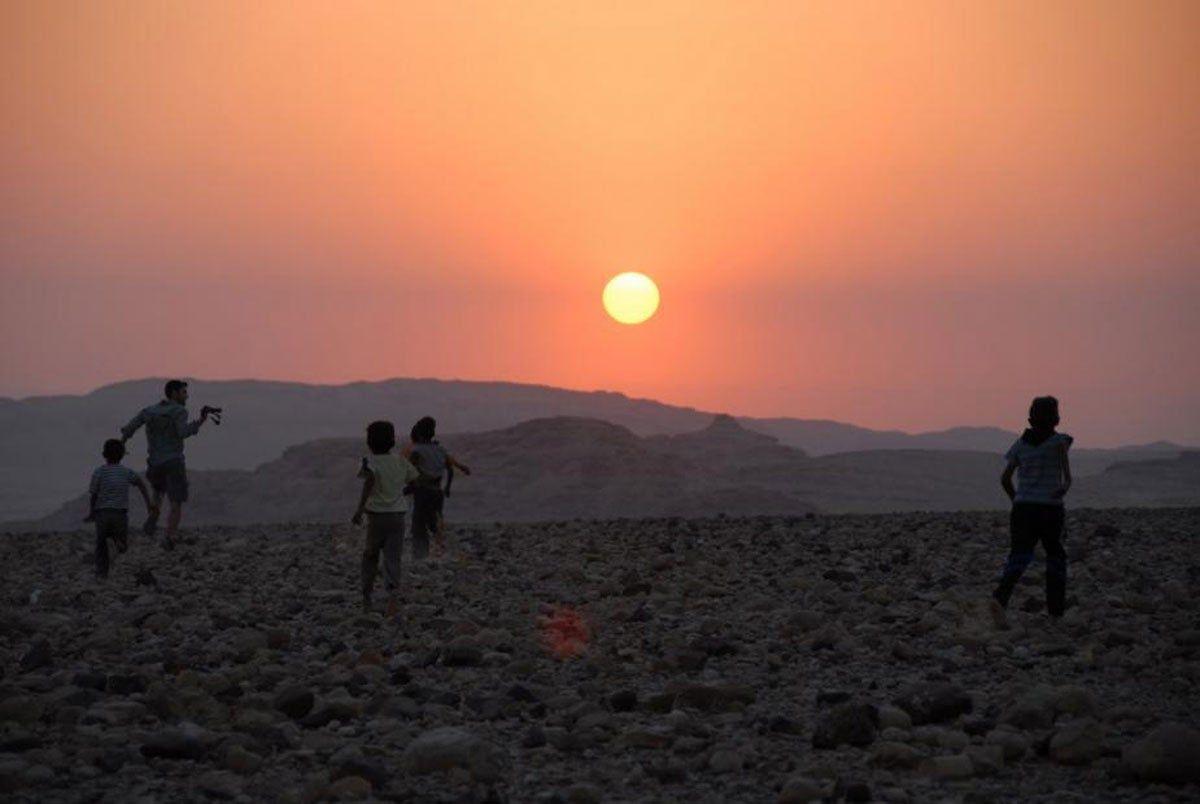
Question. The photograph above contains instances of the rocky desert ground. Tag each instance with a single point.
(760, 659)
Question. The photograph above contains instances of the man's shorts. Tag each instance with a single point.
(171, 478)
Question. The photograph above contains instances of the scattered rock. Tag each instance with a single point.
(712, 698)
(24, 709)
(726, 760)
(847, 724)
(800, 790)
(1170, 753)
(186, 741)
(219, 785)
(449, 747)
(623, 700)
(955, 766)
(780, 724)
(584, 793)
(1077, 742)
(535, 737)
(857, 792)
(241, 760)
(348, 788)
(37, 656)
(295, 701)
(462, 654)
(986, 759)
(895, 755)
(933, 703)
(894, 717)
(340, 709)
(1012, 744)
(237, 677)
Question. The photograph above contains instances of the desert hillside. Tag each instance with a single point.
(570, 468)
(757, 659)
(48, 445)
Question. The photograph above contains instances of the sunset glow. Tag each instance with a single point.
(850, 203)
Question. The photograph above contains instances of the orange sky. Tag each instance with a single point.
(900, 214)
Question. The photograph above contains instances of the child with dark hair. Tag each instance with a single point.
(1039, 459)
(384, 475)
(433, 463)
(109, 503)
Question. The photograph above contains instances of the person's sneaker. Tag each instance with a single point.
(151, 524)
(999, 616)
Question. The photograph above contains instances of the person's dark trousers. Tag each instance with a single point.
(1030, 523)
(111, 523)
(427, 508)
(385, 534)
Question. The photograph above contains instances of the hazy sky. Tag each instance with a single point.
(906, 214)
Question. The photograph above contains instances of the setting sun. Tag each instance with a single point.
(631, 298)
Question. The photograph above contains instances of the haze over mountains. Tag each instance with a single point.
(48, 445)
(567, 468)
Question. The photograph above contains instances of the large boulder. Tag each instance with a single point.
(933, 703)
(846, 724)
(295, 701)
(1170, 753)
(896, 755)
(712, 697)
(185, 741)
(450, 747)
(1078, 742)
(1034, 710)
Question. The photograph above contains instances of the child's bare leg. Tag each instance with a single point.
(439, 535)
(370, 564)
(152, 515)
(174, 514)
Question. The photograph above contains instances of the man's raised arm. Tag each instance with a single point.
(134, 424)
(183, 427)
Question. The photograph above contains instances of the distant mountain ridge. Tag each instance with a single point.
(49, 444)
(572, 467)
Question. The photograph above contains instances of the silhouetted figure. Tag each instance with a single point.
(109, 503)
(384, 475)
(1039, 459)
(433, 463)
(167, 426)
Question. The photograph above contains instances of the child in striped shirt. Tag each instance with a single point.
(109, 503)
(1039, 459)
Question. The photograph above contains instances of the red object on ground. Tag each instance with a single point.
(565, 633)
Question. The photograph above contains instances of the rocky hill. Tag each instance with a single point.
(48, 445)
(568, 468)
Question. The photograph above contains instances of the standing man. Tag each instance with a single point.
(167, 426)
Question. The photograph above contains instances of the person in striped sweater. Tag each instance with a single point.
(109, 503)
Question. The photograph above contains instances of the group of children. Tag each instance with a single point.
(1038, 458)
(388, 480)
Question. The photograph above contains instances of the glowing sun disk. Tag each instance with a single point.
(631, 298)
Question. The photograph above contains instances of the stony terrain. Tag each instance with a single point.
(781, 659)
